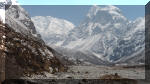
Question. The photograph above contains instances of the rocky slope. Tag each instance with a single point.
(28, 56)
(80, 57)
(25, 53)
(2, 54)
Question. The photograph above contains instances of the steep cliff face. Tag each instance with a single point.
(15, 15)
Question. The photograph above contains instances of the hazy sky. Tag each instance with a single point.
(76, 13)
(83, 2)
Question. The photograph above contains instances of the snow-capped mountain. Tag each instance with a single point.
(99, 31)
(53, 30)
(106, 33)
(103, 30)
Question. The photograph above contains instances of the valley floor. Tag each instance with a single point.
(95, 72)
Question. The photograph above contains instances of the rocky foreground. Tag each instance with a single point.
(89, 75)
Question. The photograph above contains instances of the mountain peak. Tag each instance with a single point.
(111, 7)
(93, 10)
(112, 10)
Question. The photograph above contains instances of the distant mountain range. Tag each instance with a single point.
(105, 33)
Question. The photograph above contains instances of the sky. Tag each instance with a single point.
(83, 2)
(76, 13)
